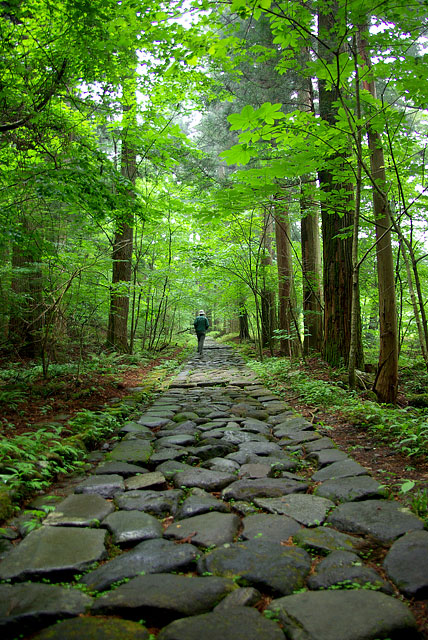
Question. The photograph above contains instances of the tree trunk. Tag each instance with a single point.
(117, 334)
(267, 295)
(336, 214)
(311, 273)
(290, 344)
(386, 383)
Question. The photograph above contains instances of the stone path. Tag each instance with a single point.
(208, 510)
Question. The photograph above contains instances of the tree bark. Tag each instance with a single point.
(117, 333)
(267, 295)
(336, 214)
(386, 382)
(289, 345)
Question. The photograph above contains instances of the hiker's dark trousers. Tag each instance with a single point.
(201, 339)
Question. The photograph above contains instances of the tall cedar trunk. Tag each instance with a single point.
(267, 295)
(310, 240)
(311, 272)
(289, 346)
(244, 331)
(336, 214)
(386, 383)
(26, 312)
(117, 334)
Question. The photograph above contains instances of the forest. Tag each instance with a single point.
(262, 160)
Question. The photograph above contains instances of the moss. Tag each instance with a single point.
(6, 508)
(418, 399)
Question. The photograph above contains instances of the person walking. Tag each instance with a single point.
(201, 325)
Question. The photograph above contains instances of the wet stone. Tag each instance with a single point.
(55, 553)
(341, 469)
(203, 479)
(212, 450)
(134, 451)
(269, 527)
(406, 564)
(27, 607)
(265, 565)
(180, 440)
(254, 470)
(152, 422)
(134, 427)
(382, 519)
(242, 597)
(198, 502)
(145, 481)
(256, 426)
(348, 614)
(327, 456)
(221, 464)
(164, 597)
(185, 415)
(274, 407)
(262, 488)
(342, 567)
(95, 628)
(318, 445)
(105, 486)
(238, 437)
(128, 527)
(151, 556)
(170, 467)
(205, 530)
(123, 469)
(324, 540)
(299, 437)
(242, 622)
(292, 423)
(350, 489)
(244, 508)
(85, 510)
(166, 455)
(158, 503)
(307, 509)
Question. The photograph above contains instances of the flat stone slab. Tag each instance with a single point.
(221, 464)
(198, 502)
(260, 448)
(327, 456)
(253, 471)
(242, 597)
(383, 519)
(152, 421)
(150, 556)
(307, 509)
(95, 628)
(204, 479)
(158, 503)
(267, 566)
(346, 614)
(28, 607)
(56, 553)
(406, 563)
(164, 597)
(205, 530)
(146, 481)
(170, 467)
(265, 526)
(85, 510)
(299, 437)
(341, 469)
(242, 622)
(106, 486)
(134, 451)
(318, 445)
(167, 454)
(128, 527)
(123, 469)
(343, 567)
(134, 427)
(180, 440)
(263, 488)
(325, 540)
(350, 489)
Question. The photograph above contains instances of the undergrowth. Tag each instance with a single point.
(406, 429)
